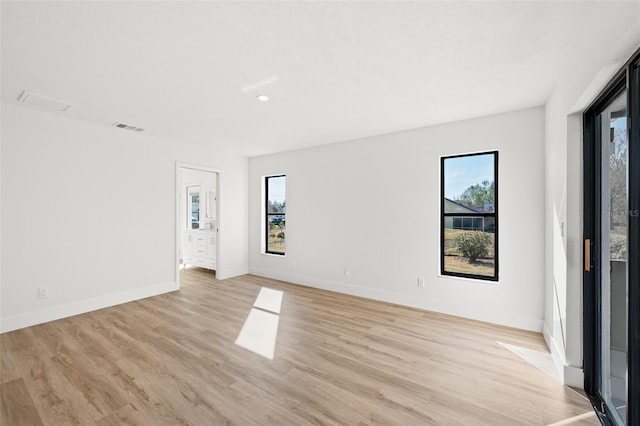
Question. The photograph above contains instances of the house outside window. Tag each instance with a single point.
(469, 216)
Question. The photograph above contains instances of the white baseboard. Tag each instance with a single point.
(574, 377)
(83, 306)
(230, 273)
(557, 353)
(410, 300)
(569, 375)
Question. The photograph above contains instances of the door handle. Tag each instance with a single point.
(587, 255)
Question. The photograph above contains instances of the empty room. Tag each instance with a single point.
(333, 213)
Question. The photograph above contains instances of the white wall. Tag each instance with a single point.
(589, 67)
(373, 206)
(89, 212)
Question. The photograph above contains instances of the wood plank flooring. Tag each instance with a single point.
(172, 359)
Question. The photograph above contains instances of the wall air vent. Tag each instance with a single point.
(44, 101)
(128, 127)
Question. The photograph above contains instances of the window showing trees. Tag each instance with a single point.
(469, 227)
(275, 217)
(618, 151)
(193, 207)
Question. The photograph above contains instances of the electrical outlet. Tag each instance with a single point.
(43, 292)
(420, 282)
(347, 272)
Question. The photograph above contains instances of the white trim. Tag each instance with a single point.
(178, 225)
(75, 308)
(197, 167)
(573, 376)
(475, 280)
(557, 354)
(569, 375)
(273, 254)
(413, 301)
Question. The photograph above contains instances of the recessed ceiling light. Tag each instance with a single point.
(263, 98)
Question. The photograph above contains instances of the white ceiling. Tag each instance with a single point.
(191, 71)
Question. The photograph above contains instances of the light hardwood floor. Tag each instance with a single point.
(172, 359)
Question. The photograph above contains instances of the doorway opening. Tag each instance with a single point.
(197, 219)
(611, 277)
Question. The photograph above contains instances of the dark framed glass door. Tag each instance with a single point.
(612, 251)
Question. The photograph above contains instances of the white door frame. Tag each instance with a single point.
(179, 167)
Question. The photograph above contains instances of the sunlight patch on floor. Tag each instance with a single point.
(260, 330)
(269, 300)
(259, 333)
(574, 419)
(541, 360)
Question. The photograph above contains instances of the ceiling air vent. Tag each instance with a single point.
(44, 101)
(128, 127)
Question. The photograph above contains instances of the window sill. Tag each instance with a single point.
(273, 254)
(475, 280)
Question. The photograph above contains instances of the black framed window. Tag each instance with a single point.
(469, 215)
(275, 214)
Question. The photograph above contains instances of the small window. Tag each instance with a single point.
(193, 207)
(469, 225)
(275, 216)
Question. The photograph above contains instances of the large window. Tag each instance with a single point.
(275, 214)
(469, 226)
